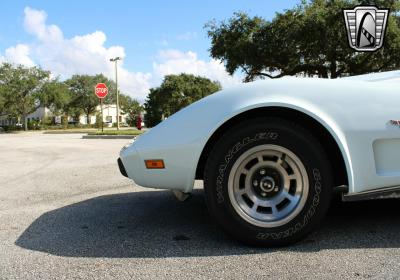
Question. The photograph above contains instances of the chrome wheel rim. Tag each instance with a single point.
(268, 186)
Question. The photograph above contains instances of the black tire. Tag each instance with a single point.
(268, 131)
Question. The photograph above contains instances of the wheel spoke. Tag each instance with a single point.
(274, 210)
(252, 196)
(254, 209)
(287, 195)
(286, 185)
(281, 159)
(241, 192)
(278, 199)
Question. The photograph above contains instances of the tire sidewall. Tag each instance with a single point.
(280, 133)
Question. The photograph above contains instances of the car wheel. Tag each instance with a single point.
(268, 182)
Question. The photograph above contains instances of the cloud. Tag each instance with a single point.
(87, 54)
(18, 54)
(35, 24)
(176, 62)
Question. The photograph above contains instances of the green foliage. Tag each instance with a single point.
(175, 93)
(310, 38)
(23, 90)
(83, 96)
(82, 91)
(154, 107)
(132, 132)
(20, 89)
(57, 97)
(11, 128)
(34, 124)
(70, 128)
(47, 121)
(98, 120)
(131, 107)
(2, 100)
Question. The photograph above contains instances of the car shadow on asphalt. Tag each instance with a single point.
(154, 225)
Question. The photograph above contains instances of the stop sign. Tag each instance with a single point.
(101, 90)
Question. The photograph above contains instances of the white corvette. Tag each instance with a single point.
(271, 153)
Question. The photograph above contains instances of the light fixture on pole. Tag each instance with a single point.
(115, 59)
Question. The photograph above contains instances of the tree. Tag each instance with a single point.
(58, 98)
(175, 93)
(154, 107)
(310, 39)
(21, 88)
(2, 101)
(82, 90)
(131, 107)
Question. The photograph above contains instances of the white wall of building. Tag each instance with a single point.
(39, 114)
(109, 116)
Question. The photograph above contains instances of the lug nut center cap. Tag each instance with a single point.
(267, 184)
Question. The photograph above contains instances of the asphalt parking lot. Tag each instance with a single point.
(67, 213)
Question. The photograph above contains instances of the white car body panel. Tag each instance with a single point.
(355, 111)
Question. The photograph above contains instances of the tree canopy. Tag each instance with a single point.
(24, 89)
(175, 93)
(310, 39)
(20, 88)
(59, 99)
(131, 107)
(82, 90)
(2, 101)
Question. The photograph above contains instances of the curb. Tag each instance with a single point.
(108, 137)
(64, 132)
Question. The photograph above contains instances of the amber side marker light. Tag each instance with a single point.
(154, 164)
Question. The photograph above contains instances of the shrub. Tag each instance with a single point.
(98, 121)
(33, 125)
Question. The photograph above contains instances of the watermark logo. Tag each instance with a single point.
(366, 27)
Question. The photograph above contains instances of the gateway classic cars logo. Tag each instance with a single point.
(366, 27)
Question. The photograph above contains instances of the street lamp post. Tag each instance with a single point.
(115, 59)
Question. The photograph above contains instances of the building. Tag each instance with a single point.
(5, 120)
(39, 114)
(109, 116)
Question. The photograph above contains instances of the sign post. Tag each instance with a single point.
(102, 123)
(101, 91)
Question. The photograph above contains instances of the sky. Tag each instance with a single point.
(154, 38)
